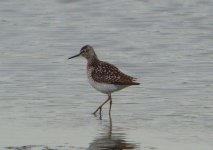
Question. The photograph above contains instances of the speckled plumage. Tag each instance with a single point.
(107, 78)
(104, 76)
(104, 72)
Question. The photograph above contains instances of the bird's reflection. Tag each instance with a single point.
(112, 141)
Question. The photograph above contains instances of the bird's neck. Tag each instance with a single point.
(92, 60)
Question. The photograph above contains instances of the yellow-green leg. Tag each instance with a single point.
(100, 107)
(110, 106)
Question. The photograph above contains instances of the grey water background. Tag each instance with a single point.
(46, 101)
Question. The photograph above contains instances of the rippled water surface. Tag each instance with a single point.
(46, 101)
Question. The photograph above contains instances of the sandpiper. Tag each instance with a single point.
(104, 76)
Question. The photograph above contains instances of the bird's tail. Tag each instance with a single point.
(134, 82)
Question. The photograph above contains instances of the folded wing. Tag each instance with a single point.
(108, 73)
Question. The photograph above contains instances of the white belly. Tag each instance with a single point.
(104, 87)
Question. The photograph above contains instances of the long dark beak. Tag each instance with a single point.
(75, 56)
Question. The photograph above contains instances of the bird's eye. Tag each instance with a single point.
(84, 50)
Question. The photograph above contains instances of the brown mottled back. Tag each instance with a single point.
(104, 72)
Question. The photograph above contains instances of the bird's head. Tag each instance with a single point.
(86, 51)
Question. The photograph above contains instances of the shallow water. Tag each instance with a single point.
(46, 101)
